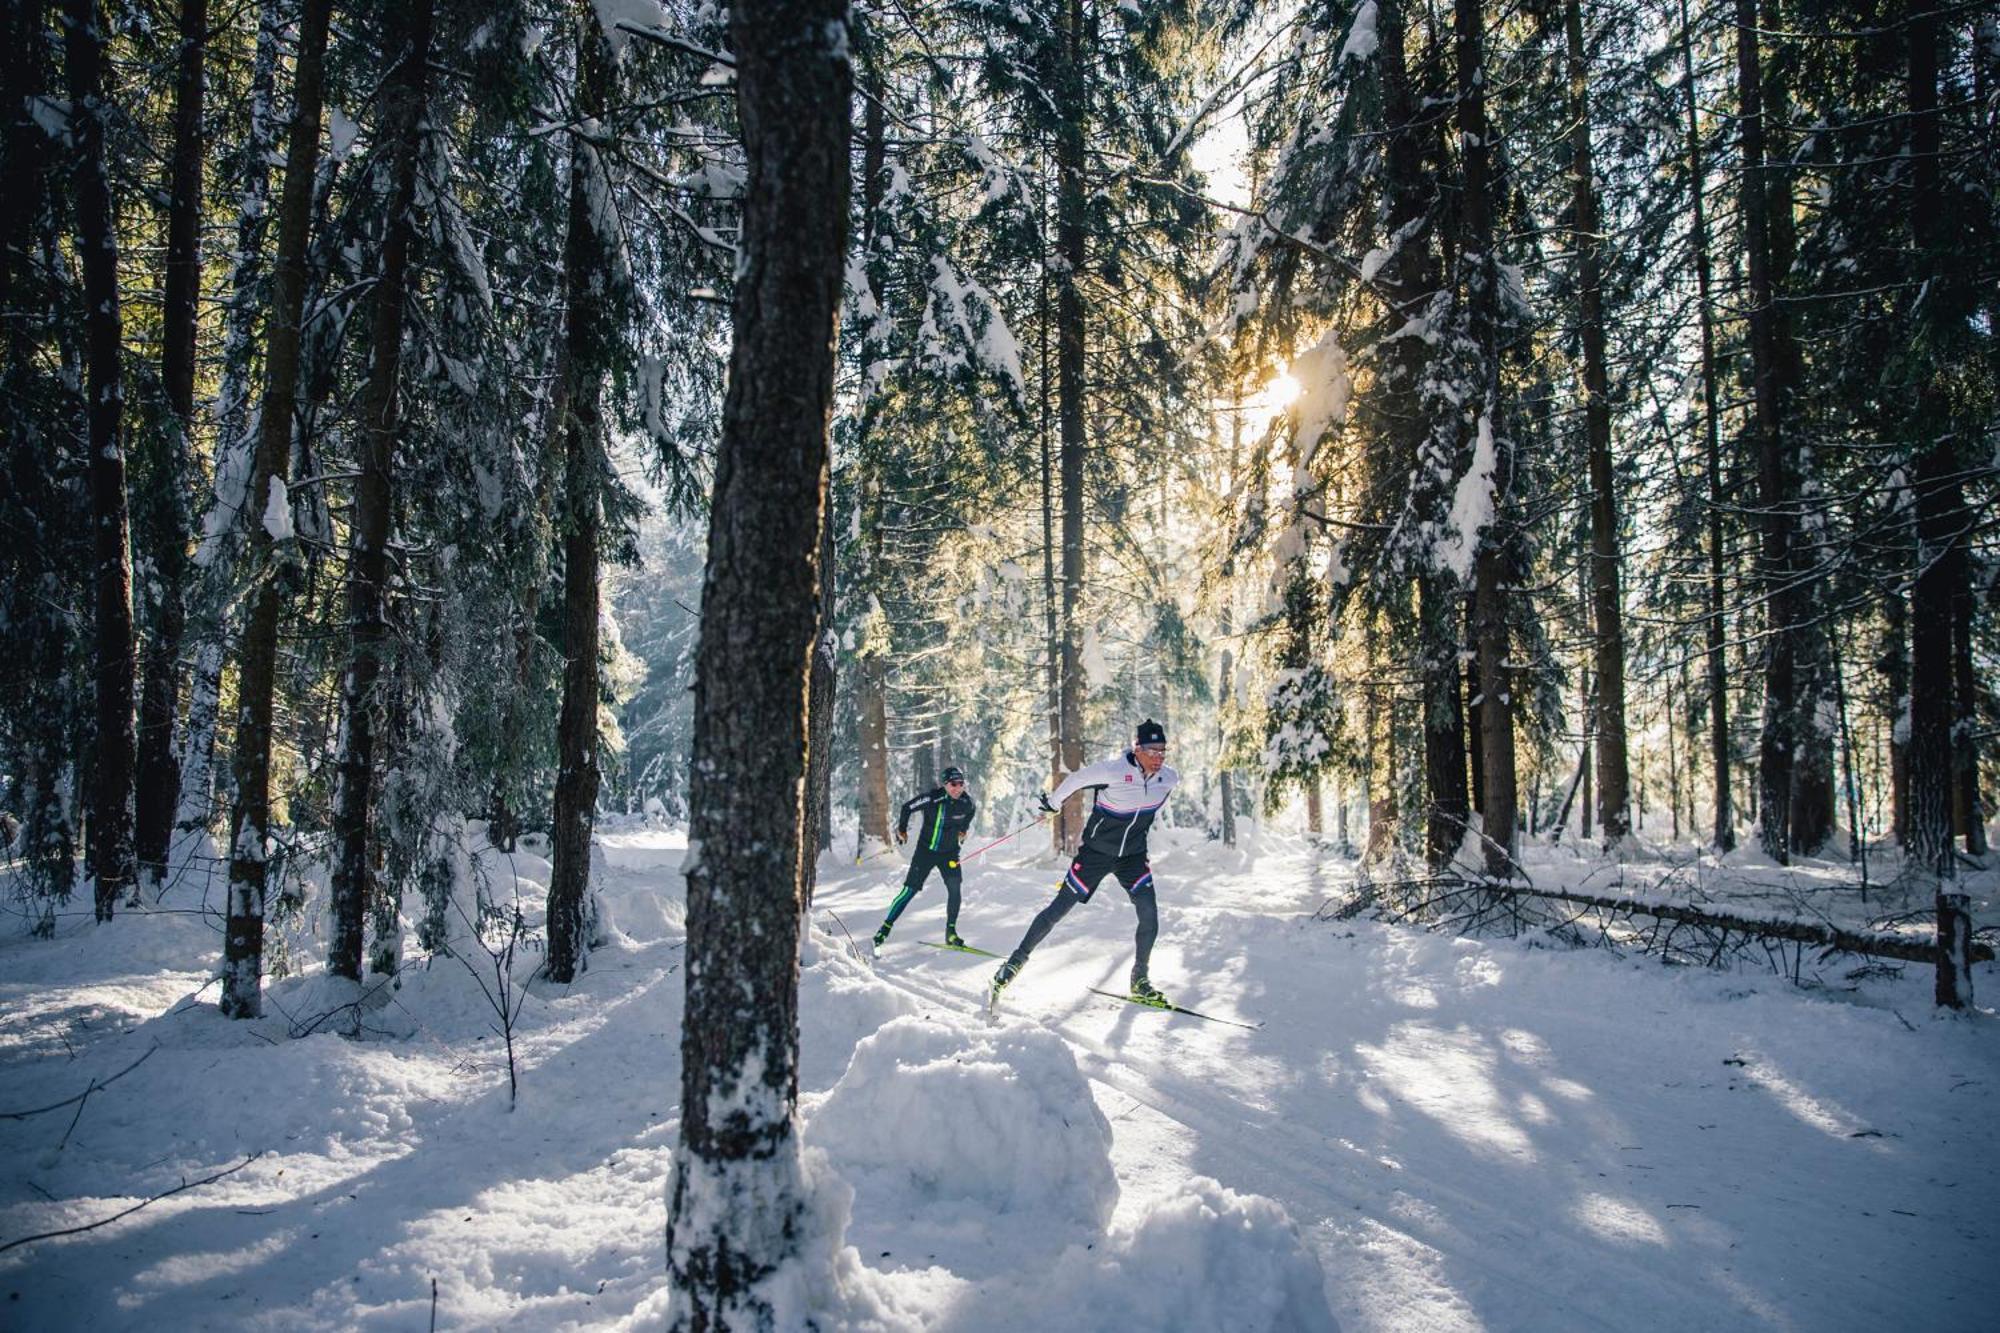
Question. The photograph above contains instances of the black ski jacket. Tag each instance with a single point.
(945, 820)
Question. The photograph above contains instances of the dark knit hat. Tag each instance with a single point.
(952, 774)
(1150, 733)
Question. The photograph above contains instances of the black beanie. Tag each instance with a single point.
(1151, 733)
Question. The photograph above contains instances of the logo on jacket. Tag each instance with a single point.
(1128, 777)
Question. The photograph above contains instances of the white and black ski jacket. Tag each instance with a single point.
(1124, 803)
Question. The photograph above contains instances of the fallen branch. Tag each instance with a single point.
(1827, 937)
(107, 1221)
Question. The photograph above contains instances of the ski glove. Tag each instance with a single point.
(902, 836)
(1046, 807)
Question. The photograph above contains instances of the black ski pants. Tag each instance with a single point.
(921, 865)
(1135, 876)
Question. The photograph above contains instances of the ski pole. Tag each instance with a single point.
(1038, 819)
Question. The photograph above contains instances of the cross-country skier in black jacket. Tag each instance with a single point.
(1126, 793)
(947, 814)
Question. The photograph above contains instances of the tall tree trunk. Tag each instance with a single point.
(400, 138)
(159, 699)
(1723, 817)
(739, 1212)
(1493, 570)
(819, 752)
(226, 526)
(114, 660)
(269, 515)
(1778, 749)
(588, 330)
(872, 685)
(1224, 691)
(1612, 782)
(873, 704)
(1940, 553)
(739, 1209)
(1072, 93)
(1052, 641)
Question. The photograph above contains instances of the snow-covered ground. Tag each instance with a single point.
(1426, 1132)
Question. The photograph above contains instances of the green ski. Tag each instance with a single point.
(959, 948)
(1170, 1008)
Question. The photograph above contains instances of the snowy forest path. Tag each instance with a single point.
(1473, 1134)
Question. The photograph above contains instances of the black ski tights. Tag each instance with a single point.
(1059, 907)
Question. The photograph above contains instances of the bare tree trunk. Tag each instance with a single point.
(1493, 570)
(1778, 750)
(1072, 95)
(269, 515)
(1612, 794)
(158, 777)
(1723, 816)
(1940, 556)
(588, 329)
(361, 704)
(739, 1215)
(114, 660)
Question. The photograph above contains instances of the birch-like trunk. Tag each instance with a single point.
(269, 519)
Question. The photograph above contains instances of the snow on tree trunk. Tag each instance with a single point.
(114, 661)
(739, 1215)
(400, 134)
(588, 283)
(270, 539)
(224, 528)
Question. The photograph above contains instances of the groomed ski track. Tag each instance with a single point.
(1428, 1142)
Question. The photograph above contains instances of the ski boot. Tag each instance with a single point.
(1008, 971)
(952, 938)
(1143, 992)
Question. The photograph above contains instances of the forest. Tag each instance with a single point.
(504, 502)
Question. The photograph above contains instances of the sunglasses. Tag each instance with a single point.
(1153, 749)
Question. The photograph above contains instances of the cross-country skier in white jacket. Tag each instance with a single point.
(1128, 792)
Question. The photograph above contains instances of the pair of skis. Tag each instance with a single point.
(992, 1007)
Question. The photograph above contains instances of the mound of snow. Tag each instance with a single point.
(971, 1129)
(1208, 1258)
